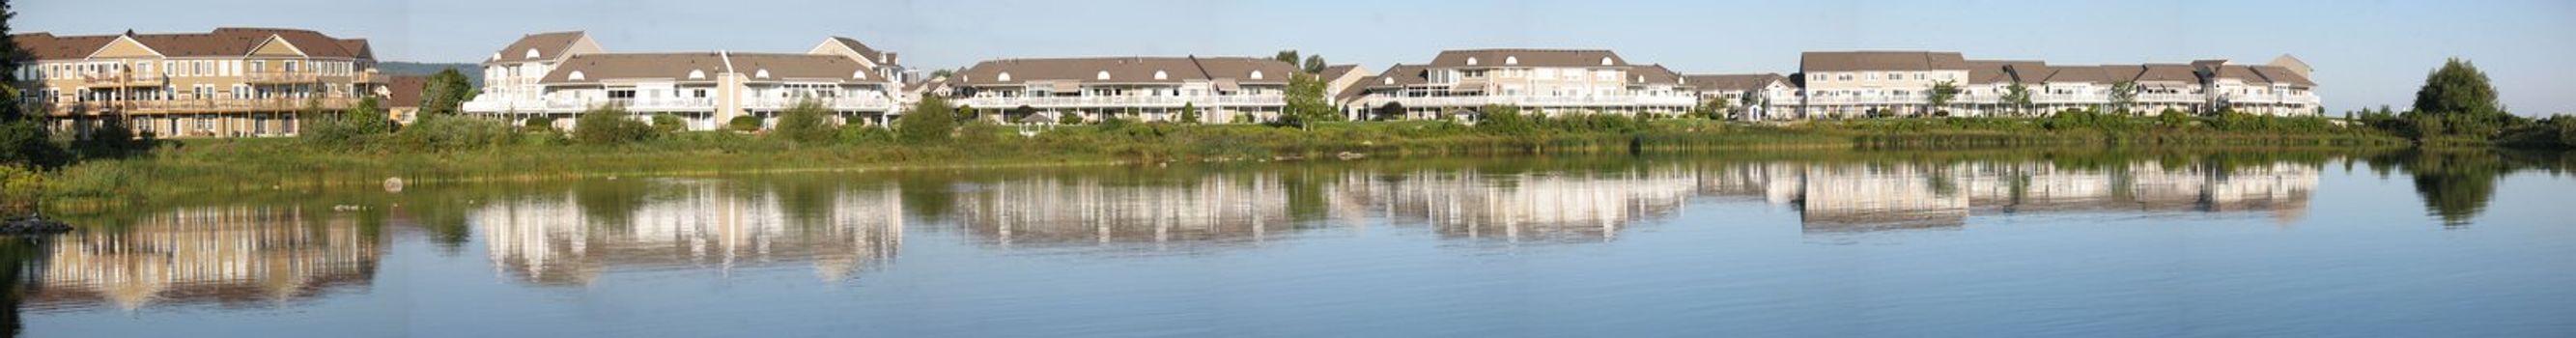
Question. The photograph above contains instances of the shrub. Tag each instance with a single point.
(804, 123)
(20, 188)
(436, 133)
(1506, 121)
(609, 125)
(347, 128)
(979, 132)
(540, 124)
(929, 122)
(864, 134)
(1189, 113)
(745, 123)
(667, 123)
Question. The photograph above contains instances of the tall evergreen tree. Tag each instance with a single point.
(24, 141)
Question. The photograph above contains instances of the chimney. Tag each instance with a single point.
(886, 59)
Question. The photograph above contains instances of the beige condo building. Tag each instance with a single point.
(229, 82)
(562, 74)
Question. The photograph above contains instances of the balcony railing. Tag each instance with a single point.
(218, 105)
(281, 77)
(1536, 101)
(122, 78)
(489, 104)
(1124, 101)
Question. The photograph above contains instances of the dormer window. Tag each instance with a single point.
(860, 74)
(697, 74)
(532, 53)
(763, 73)
(1160, 75)
(1511, 60)
(496, 56)
(1104, 76)
(1389, 80)
(1471, 61)
(1005, 77)
(1605, 61)
(1256, 75)
(576, 76)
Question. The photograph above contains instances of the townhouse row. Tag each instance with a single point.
(238, 82)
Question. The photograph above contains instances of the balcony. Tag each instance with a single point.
(123, 79)
(1536, 101)
(1124, 101)
(281, 77)
(194, 106)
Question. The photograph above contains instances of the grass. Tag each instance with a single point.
(232, 166)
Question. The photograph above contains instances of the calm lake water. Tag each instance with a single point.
(1841, 244)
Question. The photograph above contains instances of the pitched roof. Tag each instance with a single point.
(2167, 72)
(636, 66)
(2242, 73)
(1528, 57)
(1879, 60)
(872, 54)
(224, 41)
(1354, 91)
(2282, 74)
(1654, 74)
(1336, 71)
(2078, 74)
(548, 46)
(1400, 75)
(404, 90)
(1732, 82)
(800, 68)
(1126, 70)
(2004, 71)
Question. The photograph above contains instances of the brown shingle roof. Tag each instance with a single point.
(1400, 75)
(1654, 74)
(404, 91)
(871, 53)
(2281, 74)
(548, 46)
(1336, 71)
(1126, 70)
(636, 66)
(2168, 73)
(2079, 74)
(2242, 73)
(2003, 71)
(1879, 60)
(1527, 57)
(226, 41)
(1732, 82)
(800, 67)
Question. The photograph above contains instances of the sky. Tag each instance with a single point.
(2366, 53)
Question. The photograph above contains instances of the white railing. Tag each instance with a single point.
(666, 104)
(1123, 101)
(1536, 101)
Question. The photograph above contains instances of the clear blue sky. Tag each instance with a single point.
(2366, 52)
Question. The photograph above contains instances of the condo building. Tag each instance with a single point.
(561, 74)
(1900, 83)
(1548, 81)
(1746, 96)
(1137, 88)
(229, 82)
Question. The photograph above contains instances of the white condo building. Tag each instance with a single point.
(1549, 81)
(1138, 88)
(1899, 83)
(562, 74)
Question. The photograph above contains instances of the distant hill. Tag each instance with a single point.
(473, 72)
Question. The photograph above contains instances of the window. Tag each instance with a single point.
(290, 66)
(258, 66)
(1918, 76)
(623, 94)
(1847, 77)
(698, 93)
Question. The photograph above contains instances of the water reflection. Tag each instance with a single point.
(842, 226)
(571, 238)
(231, 256)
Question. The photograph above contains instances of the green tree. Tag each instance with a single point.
(667, 123)
(745, 123)
(446, 93)
(1714, 109)
(1315, 64)
(346, 128)
(1068, 118)
(2456, 99)
(2124, 94)
(609, 125)
(1189, 113)
(1286, 56)
(24, 140)
(2018, 96)
(1938, 99)
(1306, 103)
(930, 122)
(806, 122)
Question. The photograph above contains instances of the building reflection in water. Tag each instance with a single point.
(1838, 198)
(570, 239)
(229, 256)
(1238, 208)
